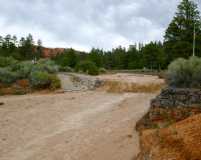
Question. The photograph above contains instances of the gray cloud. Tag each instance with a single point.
(83, 24)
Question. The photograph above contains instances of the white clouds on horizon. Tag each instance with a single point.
(83, 24)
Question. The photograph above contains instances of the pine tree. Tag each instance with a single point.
(27, 48)
(95, 56)
(179, 35)
(39, 49)
(153, 56)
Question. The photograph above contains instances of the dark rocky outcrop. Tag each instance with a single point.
(172, 105)
(172, 97)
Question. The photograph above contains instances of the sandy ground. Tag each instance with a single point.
(92, 125)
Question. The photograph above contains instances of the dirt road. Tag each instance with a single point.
(91, 125)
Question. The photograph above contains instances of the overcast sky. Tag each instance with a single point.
(83, 24)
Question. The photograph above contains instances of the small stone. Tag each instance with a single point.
(130, 136)
(61, 91)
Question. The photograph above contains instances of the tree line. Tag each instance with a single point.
(178, 42)
(22, 49)
(149, 56)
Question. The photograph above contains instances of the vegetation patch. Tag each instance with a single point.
(87, 67)
(22, 77)
(183, 73)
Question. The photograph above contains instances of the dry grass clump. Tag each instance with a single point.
(119, 87)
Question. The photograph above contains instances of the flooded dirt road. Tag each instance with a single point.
(91, 125)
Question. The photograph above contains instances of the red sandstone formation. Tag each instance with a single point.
(50, 52)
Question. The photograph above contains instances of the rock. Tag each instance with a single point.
(60, 91)
(79, 82)
(172, 97)
(172, 105)
(98, 83)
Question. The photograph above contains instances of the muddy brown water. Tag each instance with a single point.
(92, 125)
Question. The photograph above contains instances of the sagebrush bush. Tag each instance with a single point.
(7, 76)
(23, 69)
(87, 67)
(185, 73)
(27, 74)
(44, 80)
(39, 80)
(55, 82)
(47, 65)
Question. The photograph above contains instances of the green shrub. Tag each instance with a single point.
(195, 65)
(55, 82)
(87, 67)
(44, 80)
(7, 76)
(185, 73)
(47, 65)
(23, 69)
(102, 70)
(26, 67)
(40, 74)
(40, 80)
(65, 69)
(93, 71)
(7, 61)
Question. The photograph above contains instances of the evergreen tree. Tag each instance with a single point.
(7, 45)
(179, 35)
(1, 45)
(71, 58)
(39, 49)
(108, 60)
(67, 58)
(120, 58)
(134, 58)
(153, 56)
(96, 56)
(27, 50)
